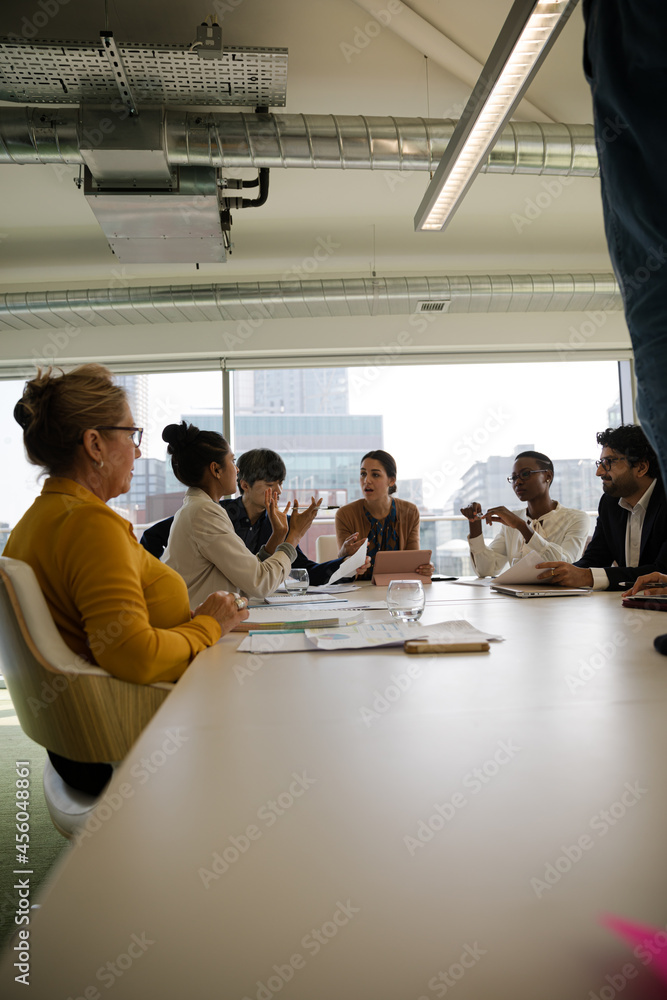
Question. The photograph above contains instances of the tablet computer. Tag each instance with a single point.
(657, 602)
(401, 565)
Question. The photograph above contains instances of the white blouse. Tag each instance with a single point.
(561, 534)
(209, 555)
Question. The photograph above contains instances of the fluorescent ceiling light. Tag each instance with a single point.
(530, 30)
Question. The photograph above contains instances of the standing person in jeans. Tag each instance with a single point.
(625, 60)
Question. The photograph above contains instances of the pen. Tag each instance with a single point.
(424, 646)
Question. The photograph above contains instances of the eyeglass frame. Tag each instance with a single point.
(524, 475)
(609, 460)
(108, 427)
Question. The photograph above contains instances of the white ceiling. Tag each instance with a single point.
(51, 239)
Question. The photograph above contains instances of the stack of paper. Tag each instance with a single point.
(360, 635)
(364, 635)
(295, 619)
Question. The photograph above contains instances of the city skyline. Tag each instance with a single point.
(437, 421)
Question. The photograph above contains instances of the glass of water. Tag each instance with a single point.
(297, 582)
(405, 599)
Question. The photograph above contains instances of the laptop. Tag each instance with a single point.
(401, 565)
(527, 591)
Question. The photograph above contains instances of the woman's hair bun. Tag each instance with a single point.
(36, 392)
(179, 436)
(22, 415)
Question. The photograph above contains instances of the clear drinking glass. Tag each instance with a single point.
(297, 582)
(405, 599)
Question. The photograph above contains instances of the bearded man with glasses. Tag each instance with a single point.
(630, 538)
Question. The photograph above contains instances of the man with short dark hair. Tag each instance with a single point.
(260, 470)
(630, 537)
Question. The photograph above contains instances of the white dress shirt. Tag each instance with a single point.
(560, 534)
(209, 555)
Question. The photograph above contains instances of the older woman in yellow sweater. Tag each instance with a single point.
(113, 603)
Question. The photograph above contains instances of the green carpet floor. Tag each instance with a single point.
(46, 844)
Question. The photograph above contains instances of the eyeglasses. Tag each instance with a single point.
(525, 475)
(137, 432)
(607, 463)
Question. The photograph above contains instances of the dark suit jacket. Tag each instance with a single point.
(254, 536)
(608, 542)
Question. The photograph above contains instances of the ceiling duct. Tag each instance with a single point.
(253, 301)
(234, 140)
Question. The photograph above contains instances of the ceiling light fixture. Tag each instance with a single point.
(530, 30)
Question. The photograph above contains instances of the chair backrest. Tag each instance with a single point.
(66, 704)
(326, 548)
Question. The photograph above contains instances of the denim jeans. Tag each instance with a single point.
(625, 60)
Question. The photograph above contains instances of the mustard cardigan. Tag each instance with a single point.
(352, 517)
(113, 603)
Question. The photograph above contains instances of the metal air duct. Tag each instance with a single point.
(229, 140)
(252, 301)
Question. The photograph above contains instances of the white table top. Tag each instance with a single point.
(311, 777)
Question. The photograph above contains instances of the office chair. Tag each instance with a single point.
(64, 703)
(326, 548)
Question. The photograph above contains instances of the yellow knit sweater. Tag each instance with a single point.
(112, 602)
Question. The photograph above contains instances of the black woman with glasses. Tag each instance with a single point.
(630, 538)
(542, 525)
(113, 603)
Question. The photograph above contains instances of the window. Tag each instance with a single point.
(453, 430)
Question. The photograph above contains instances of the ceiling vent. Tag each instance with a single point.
(151, 210)
(433, 306)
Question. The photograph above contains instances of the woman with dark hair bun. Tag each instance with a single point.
(388, 522)
(543, 526)
(203, 545)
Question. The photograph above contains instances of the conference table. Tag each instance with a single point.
(369, 824)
